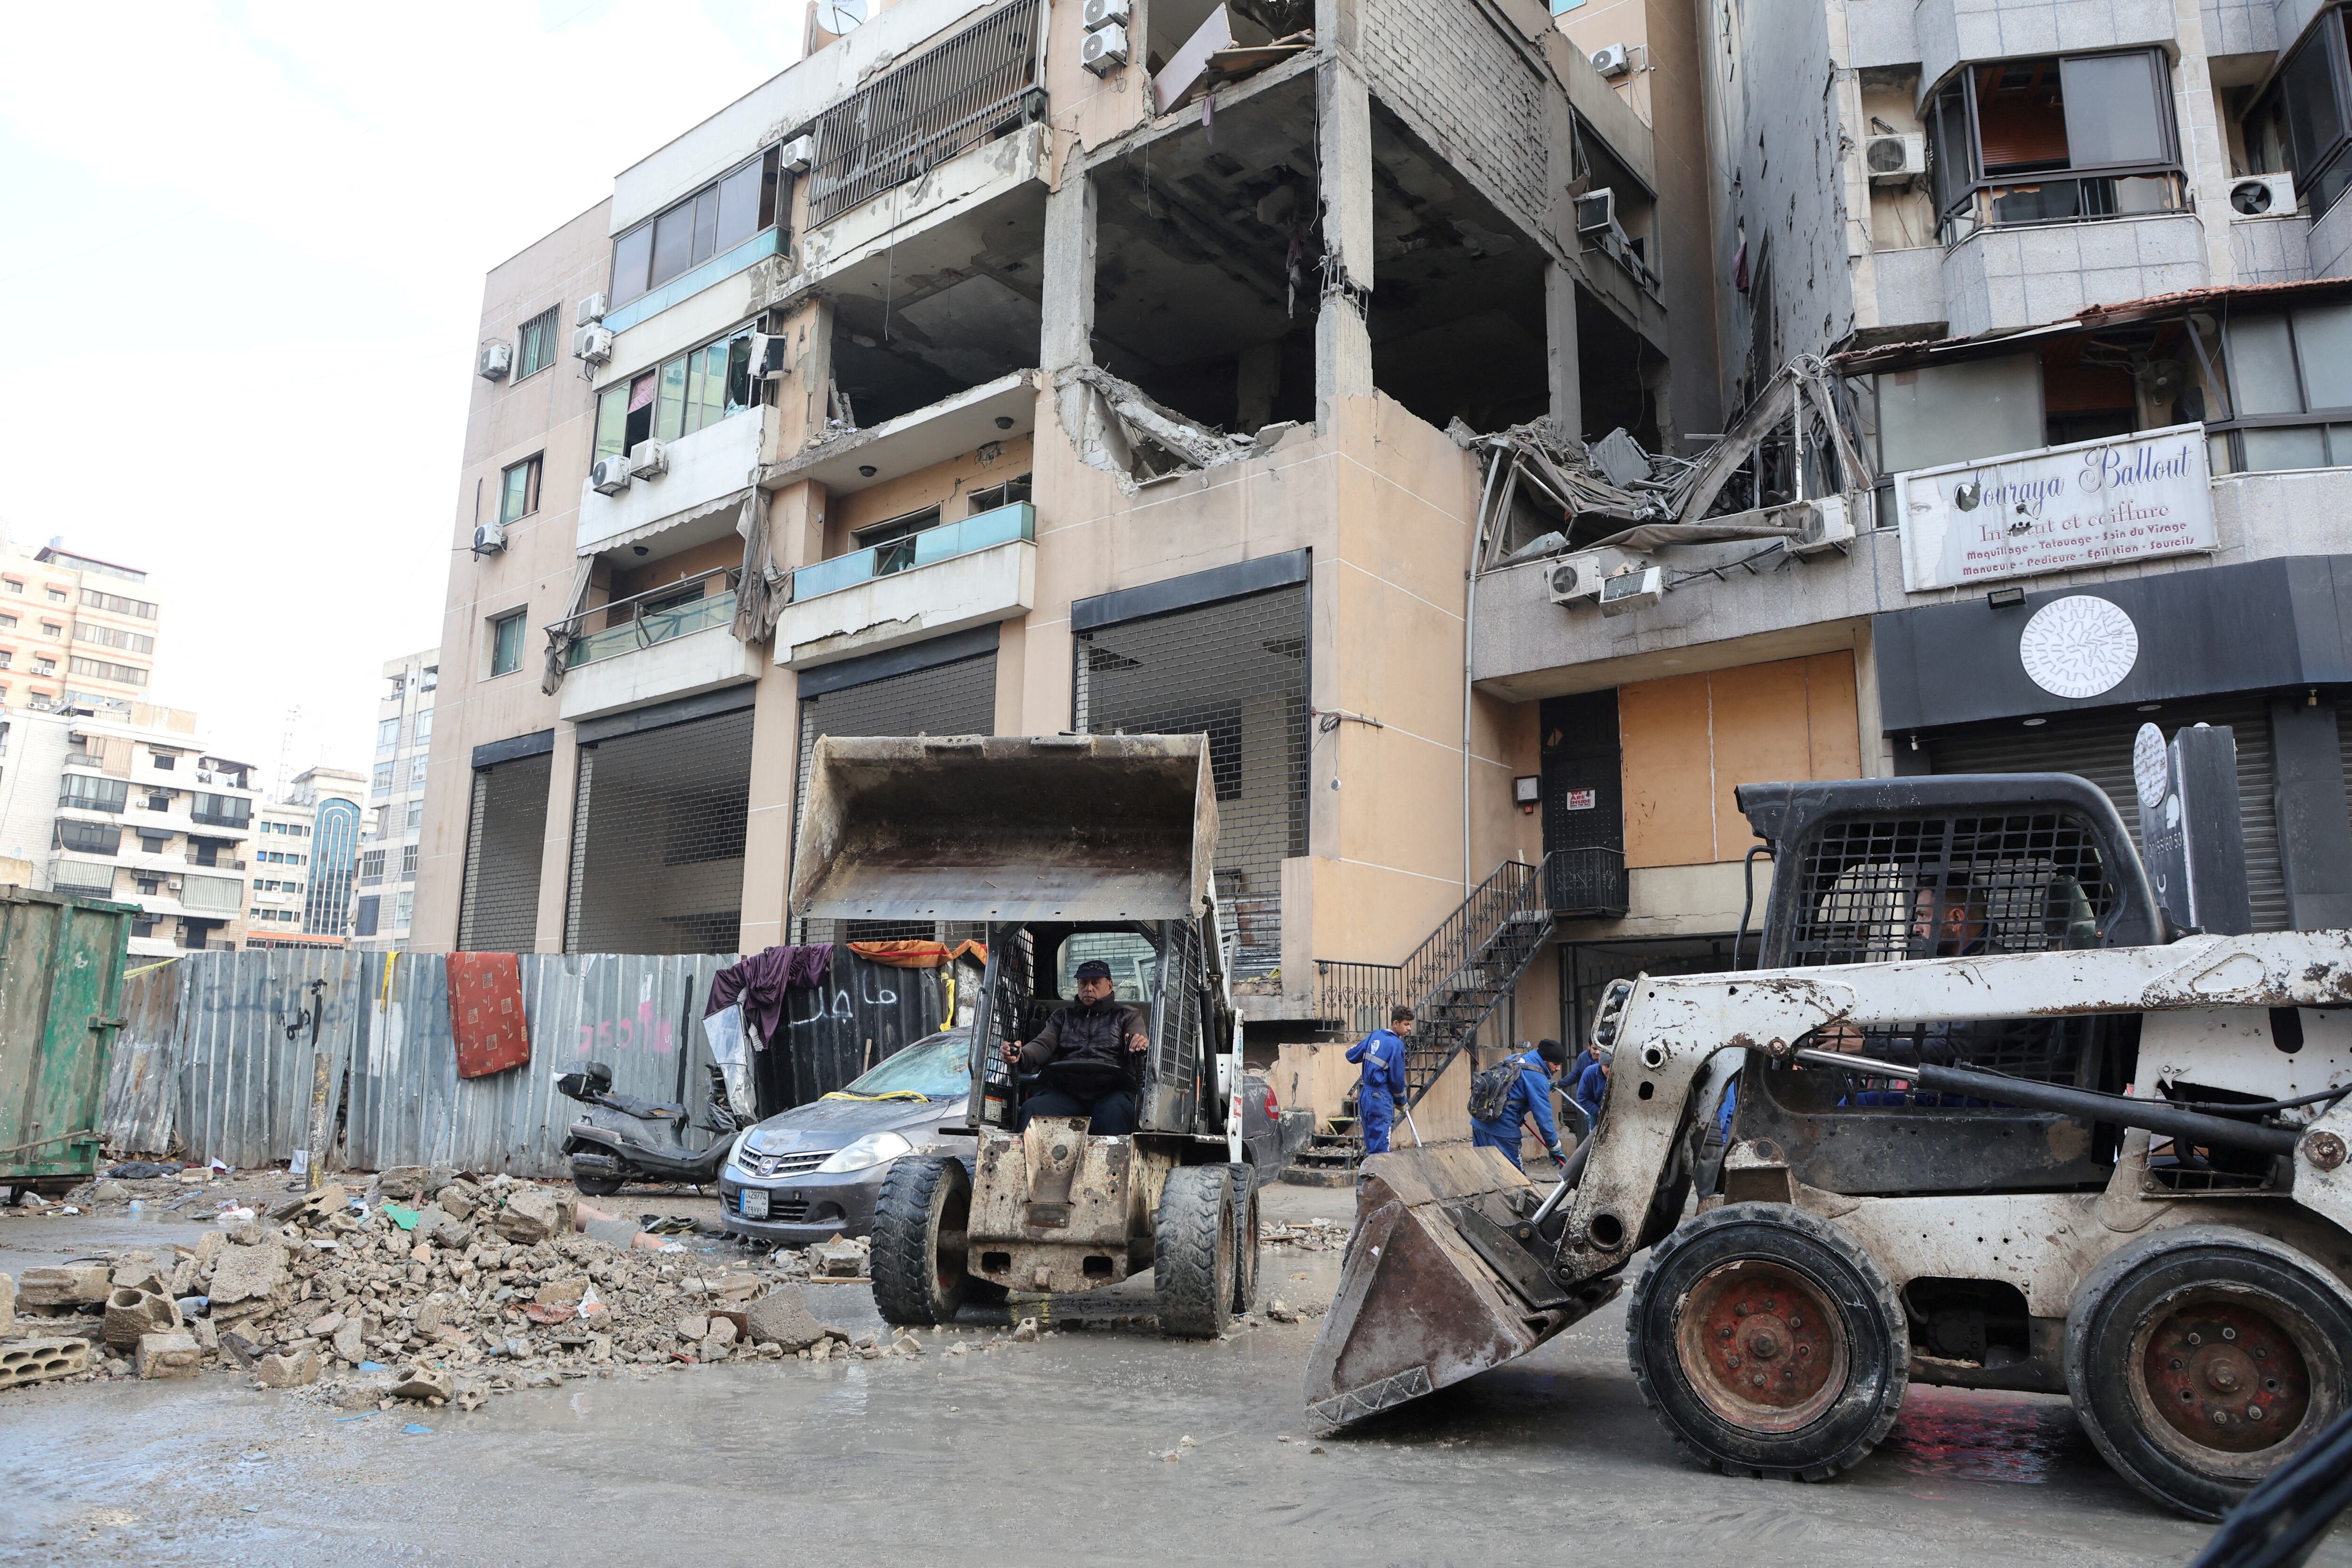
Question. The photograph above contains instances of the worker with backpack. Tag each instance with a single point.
(1504, 1096)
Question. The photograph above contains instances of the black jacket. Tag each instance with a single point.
(1083, 1049)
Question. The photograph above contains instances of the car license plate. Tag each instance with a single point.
(755, 1202)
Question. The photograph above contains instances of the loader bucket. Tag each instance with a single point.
(1043, 827)
(1434, 1288)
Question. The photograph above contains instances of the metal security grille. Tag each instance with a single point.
(1948, 887)
(1172, 1099)
(1237, 672)
(926, 111)
(658, 839)
(2098, 747)
(506, 836)
(957, 698)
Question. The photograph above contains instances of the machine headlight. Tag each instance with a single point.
(873, 1149)
(735, 1153)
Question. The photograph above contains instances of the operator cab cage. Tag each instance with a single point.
(1876, 871)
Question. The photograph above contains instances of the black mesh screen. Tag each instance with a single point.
(658, 839)
(957, 698)
(1237, 672)
(1948, 887)
(506, 836)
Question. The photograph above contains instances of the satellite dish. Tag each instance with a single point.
(839, 16)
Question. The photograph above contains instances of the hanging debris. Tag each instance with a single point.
(1129, 435)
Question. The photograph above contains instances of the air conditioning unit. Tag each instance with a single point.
(2263, 195)
(593, 310)
(493, 360)
(1635, 588)
(489, 538)
(1613, 61)
(593, 345)
(1105, 49)
(610, 477)
(172, 884)
(1103, 13)
(798, 153)
(1578, 578)
(768, 356)
(647, 460)
(1596, 211)
(1823, 523)
(1890, 160)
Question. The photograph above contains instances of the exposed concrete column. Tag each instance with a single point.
(1343, 345)
(1560, 348)
(1067, 305)
(2314, 835)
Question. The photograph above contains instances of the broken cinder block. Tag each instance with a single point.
(166, 1355)
(65, 1284)
(37, 1360)
(131, 1314)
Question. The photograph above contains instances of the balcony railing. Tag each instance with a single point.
(1586, 883)
(650, 617)
(218, 863)
(82, 760)
(220, 819)
(986, 531)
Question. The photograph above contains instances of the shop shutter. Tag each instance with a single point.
(657, 831)
(506, 838)
(955, 699)
(2098, 747)
(1235, 670)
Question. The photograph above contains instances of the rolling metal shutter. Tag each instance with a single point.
(657, 832)
(1237, 672)
(2097, 746)
(505, 842)
(955, 699)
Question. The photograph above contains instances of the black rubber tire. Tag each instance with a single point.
(2134, 1292)
(917, 1252)
(598, 1186)
(1855, 1403)
(1246, 1242)
(1192, 1252)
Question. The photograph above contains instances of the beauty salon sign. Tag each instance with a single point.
(2127, 497)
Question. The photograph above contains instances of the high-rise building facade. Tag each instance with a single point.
(396, 797)
(75, 630)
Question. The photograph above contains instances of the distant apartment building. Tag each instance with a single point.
(74, 631)
(331, 798)
(396, 795)
(130, 807)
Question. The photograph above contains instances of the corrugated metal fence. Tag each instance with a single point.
(216, 1060)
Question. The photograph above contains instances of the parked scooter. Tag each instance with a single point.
(623, 1138)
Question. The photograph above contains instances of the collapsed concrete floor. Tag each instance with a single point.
(1074, 1445)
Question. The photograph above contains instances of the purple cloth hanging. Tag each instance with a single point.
(759, 981)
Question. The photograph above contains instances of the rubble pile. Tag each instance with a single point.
(430, 1288)
(1307, 1235)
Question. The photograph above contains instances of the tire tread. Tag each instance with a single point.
(900, 1256)
(1193, 1219)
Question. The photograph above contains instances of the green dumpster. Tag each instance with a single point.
(60, 992)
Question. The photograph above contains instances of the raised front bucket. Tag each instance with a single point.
(1436, 1286)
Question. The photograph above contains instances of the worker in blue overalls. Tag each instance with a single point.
(1383, 1089)
(1531, 1095)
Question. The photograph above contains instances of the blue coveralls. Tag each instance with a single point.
(1531, 1095)
(1383, 1087)
(1590, 1088)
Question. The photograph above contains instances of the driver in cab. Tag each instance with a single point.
(1089, 1056)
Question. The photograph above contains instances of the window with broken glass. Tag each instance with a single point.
(698, 387)
(2303, 122)
(2054, 140)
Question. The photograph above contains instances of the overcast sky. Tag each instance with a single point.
(243, 246)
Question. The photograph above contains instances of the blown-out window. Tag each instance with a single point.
(698, 387)
(2304, 123)
(2054, 140)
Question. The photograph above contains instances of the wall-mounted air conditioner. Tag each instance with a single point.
(593, 310)
(1824, 522)
(2263, 195)
(1635, 588)
(593, 345)
(172, 884)
(489, 538)
(648, 460)
(1614, 62)
(1105, 49)
(1103, 13)
(798, 153)
(1596, 211)
(768, 356)
(1889, 160)
(493, 360)
(1574, 579)
(610, 477)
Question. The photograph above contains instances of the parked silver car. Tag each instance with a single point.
(812, 1173)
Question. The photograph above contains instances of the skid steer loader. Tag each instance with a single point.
(1067, 848)
(1993, 1130)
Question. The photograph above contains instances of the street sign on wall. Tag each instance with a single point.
(2061, 509)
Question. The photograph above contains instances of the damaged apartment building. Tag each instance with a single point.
(1023, 369)
(2036, 352)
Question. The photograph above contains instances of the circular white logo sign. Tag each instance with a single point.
(2078, 647)
(2149, 773)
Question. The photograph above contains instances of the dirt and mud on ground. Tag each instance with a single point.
(1087, 1439)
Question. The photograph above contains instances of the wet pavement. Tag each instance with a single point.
(1068, 1449)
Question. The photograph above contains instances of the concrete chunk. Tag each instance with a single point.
(248, 1273)
(166, 1355)
(421, 1381)
(7, 1306)
(291, 1369)
(66, 1285)
(783, 1318)
(531, 1214)
(132, 1314)
(37, 1361)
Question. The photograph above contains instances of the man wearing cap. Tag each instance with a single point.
(1089, 1057)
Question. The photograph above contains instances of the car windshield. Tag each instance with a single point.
(936, 1069)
